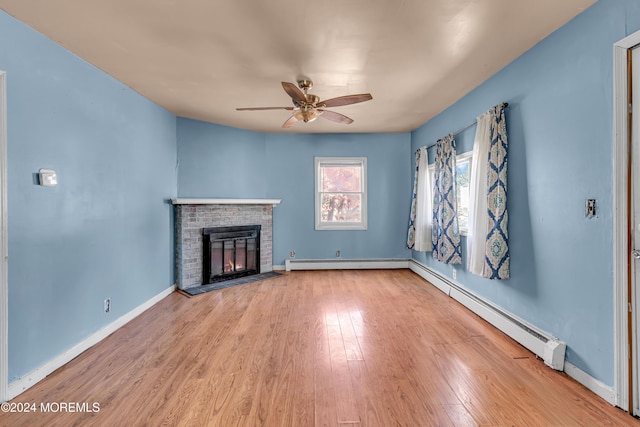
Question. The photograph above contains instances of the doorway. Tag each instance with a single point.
(626, 235)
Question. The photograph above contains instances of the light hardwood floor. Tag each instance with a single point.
(332, 348)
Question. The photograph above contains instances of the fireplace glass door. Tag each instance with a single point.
(230, 252)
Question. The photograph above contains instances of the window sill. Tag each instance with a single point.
(349, 227)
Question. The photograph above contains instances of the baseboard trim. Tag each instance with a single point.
(596, 386)
(541, 343)
(345, 264)
(32, 378)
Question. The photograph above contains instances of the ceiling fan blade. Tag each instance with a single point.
(295, 93)
(290, 122)
(335, 117)
(346, 100)
(264, 108)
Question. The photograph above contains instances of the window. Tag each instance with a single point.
(463, 169)
(341, 193)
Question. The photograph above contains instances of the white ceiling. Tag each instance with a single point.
(203, 58)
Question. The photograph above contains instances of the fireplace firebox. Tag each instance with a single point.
(230, 252)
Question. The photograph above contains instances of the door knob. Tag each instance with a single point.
(635, 253)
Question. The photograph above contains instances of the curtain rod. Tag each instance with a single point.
(459, 131)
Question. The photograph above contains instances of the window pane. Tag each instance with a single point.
(341, 207)
(462, 193)
(341, 178)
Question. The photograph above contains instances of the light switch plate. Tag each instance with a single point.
(591, 208)
(48, 177)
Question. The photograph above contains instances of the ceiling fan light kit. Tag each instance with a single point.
(308, 107)
(306, 114)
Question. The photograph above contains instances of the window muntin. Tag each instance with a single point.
(341, 198)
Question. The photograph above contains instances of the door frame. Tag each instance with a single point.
(623, 303)
(4, 253)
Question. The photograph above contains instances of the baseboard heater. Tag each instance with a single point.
(345, 264)
(542, 344)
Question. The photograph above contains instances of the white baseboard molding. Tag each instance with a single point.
(541, 343)
(29, 380)
(596, 386)
(278, 268)
(345, 264)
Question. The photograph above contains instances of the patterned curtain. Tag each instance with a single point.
(419, 235)
(497, 243)
(445, 237)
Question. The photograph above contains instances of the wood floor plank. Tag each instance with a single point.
(370, 411)
(332, 348)
(325, 413)
(346, 409)
(459, 415)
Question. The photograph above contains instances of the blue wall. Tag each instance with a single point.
(560, 153)
(105, 230)
(218, 161)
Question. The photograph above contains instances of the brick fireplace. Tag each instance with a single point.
(193, 216)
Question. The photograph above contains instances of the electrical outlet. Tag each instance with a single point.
(455, 274)
(338, 254)
(107, 305)
(292, 254)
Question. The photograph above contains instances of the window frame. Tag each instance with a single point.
(320, 162)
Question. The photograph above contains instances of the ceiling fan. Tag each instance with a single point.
(308, 107)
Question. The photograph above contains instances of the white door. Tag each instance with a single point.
(4, 316)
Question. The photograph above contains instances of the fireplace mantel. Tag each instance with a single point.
(272, 202)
